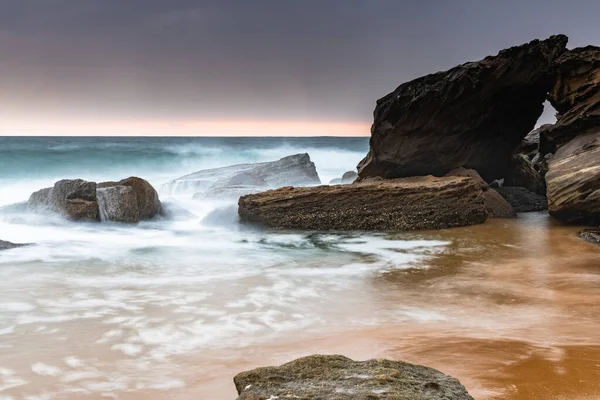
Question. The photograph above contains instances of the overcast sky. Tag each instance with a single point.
(261, 60)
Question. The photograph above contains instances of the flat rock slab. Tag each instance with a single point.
(373, 205)
(340, 378)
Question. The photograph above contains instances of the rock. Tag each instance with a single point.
(349, 177)
(8, 245)
(336, 181)
(119, 204)
(522, 200)
(590, 235)
(495, 205)
(148, 202)
(531, 143)
(473, 116)
(573, 181)
(74, 199)
(575, 96)
(297, 170)
(339, 378)
(380, 205)
(233, 192)
(523, 173)
(172, 210)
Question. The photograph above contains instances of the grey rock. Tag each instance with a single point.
(4, 245)
(522, 200)
(339, 378)
(118, 204)
(349, 177)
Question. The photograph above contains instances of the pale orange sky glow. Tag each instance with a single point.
(182, 128)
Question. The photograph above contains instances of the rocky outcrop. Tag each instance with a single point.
(130, 200)
(573, 181)
(573, 177)
(591, 235)
(347, 178)
(8, 245)
(379, 205)
(74, 199)
(522, 200)
(339, 378)
(495, 205)
(235, 180)
(523, 173)
(473, 116)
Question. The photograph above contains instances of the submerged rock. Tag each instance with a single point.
(473, 116)
(339, 378)
(591, 235)
(522, 200)
(381, 205)
(495, 205)
(297, 170)
(4, 245)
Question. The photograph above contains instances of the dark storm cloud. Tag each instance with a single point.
(325, 59)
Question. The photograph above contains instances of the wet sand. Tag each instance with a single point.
(510, 308)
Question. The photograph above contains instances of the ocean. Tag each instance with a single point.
(173, 309)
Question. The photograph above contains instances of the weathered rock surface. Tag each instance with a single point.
(522, 172)
(381, 205)
(575, 96)
(4, 245)
(573, 181)
(297, 170)
(495, 205)
(591, 235)
(522, 200)
(473, 116)
(340, 378)
(74, 199)
(130, 200)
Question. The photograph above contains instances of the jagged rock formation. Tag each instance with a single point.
(233, 181)
(339, 378)
(379, 205)
(573, 177)
(473, 116)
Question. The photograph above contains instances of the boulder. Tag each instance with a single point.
(495, 205)
(591, 235)
(573, 181)
(74, 199)
(473, 116)
(379, 205)
(339, 378)
(349, 177)
(523, 173)
(336, 181)
(522, 200)
(297, 170)
(130, 200)
(8, 245)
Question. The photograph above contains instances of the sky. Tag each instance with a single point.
(245, 67)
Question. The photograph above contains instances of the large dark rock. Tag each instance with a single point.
(339, 378)
(74, 199)
(573, 181)
(130, 200)
(233, 181)
(522, 200)
(573, 177)
(495, 205)
(473, 116)
(380, 205)
(523, 173)
(4, 245)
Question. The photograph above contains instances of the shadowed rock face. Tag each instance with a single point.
(380, 205)
(340, 378)
(522, 200)
(473, 116)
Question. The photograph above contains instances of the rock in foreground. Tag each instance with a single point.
(340, 378)
(380, 205)
(522, 200)
(473, 116)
